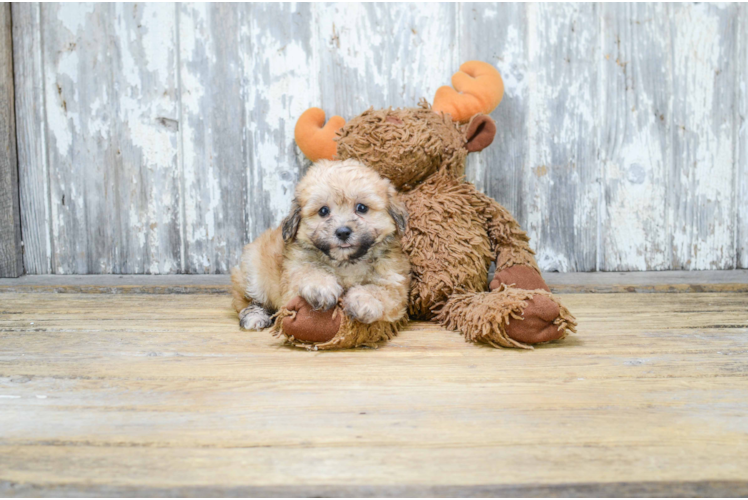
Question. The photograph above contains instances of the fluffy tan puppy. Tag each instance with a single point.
(341, 243)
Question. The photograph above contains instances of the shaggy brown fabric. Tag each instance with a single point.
(404, 145)
(508, 240)
(446, 240)
(524, 277)
(485, 316)
(350, 333)
(454, 231)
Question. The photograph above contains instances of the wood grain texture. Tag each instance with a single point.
(734, 281)
(635, 140)
(168, 128)
(147, 187)
(31, 130)
(383, 55)
(497, 34)
(110, 93)
(11, 257)
(560, 188)
(138, 393)
(280, 65)
(677, 489)
(741, 125)
(214, 147)
(245, 73)
(702, 181)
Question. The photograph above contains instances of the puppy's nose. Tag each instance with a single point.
(343, 233)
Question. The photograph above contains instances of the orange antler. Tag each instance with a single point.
(479, 89)
(314, 139)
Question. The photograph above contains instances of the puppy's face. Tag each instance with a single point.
(343, 209)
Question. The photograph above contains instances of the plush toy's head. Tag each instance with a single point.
(408, 145)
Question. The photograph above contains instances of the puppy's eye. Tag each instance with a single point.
(324, 212)
(361, 208)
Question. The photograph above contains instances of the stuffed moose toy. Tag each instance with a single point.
(454, 232)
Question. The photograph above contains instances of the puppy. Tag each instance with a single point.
(341, 243)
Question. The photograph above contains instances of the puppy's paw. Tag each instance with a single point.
(254, 317)
(362, 306)
(322, 296)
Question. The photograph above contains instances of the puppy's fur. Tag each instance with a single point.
(310, 255)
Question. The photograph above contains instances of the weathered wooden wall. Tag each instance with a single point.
(11, 263)
(158, 138)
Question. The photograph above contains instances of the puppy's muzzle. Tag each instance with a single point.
(343, 233)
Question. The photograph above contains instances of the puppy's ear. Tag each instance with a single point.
(396, 209)
(291, 223)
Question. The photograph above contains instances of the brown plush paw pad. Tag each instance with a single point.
(538, 323)
(309, 325)
(523, 277)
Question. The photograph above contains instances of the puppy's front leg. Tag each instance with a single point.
(371, 303)
(254, 317)
(317, 287)
(363, 303)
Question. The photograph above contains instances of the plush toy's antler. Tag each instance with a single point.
(478, 88)
(314, 139)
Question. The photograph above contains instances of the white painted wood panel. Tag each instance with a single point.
(635, 153)
(383, 55)
(561, 175)
(741, 124)
(246, 75)
(702, 187)
(111, 117)
(213, 134)
(283, 81)
(167, 129)
(498, 34)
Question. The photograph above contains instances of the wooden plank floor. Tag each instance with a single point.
(164, 395)
(734, 280)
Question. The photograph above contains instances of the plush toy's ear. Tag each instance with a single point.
(291, 223)
(398, 212)
(478, 88)
(315, 140)
(479, 133)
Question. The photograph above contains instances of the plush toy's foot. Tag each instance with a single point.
(540, 313)
(538, 323)
(307, 325)
(304, 327)
(507, 317)
(524, 277)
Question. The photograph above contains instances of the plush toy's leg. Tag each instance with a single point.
(515, 260)
(518, 275)
(516, 267)
(507, 317)
(304, 327)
